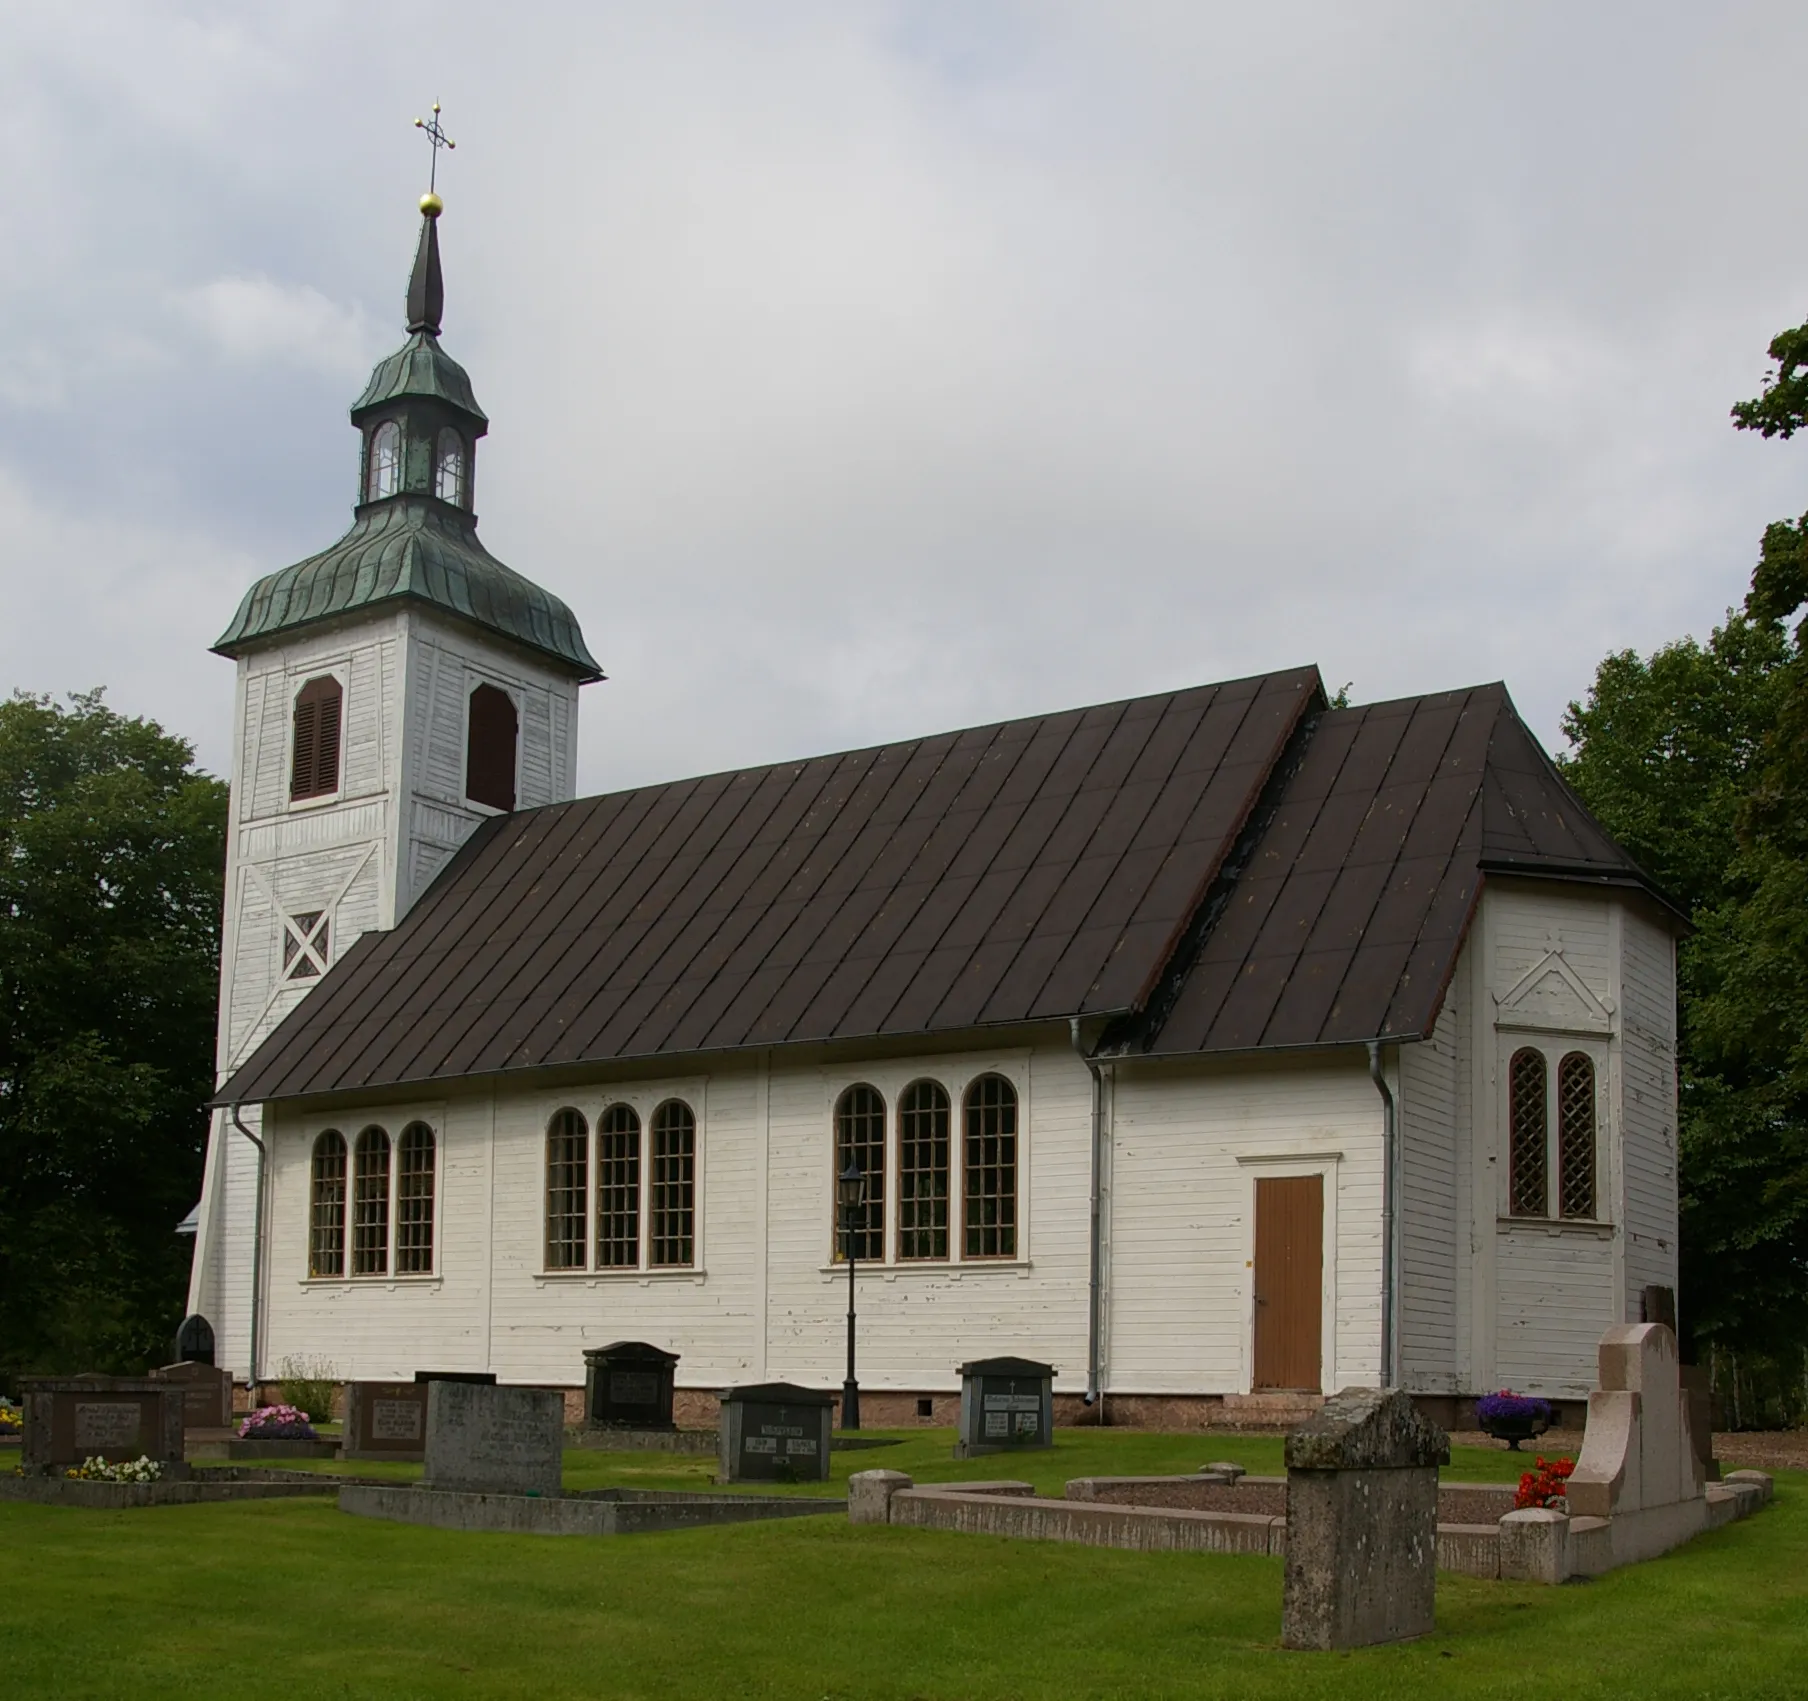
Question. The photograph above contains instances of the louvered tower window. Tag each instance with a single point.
(1576, 1136)
(370, 1204)
(923, 1118)
(990, 1165)
(314, 763)
(860, 1140)
(326, 1206)
(674, 1201)
(414, 1201)
(567, 1174)
(1528, 1126)
(490, 748)
(618, 1189)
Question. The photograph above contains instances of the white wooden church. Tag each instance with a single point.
(1205, 1045)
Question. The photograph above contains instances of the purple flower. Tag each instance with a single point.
(1511, 1408)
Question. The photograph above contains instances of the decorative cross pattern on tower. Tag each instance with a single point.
(437, 138)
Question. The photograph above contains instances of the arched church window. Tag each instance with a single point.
(414, 1200)
(383, 465)
(923, 1117)
(314, 757)
(490, 748)
(326, 1205)
(674, 1202)
(1576, 1136)
(990, 1164)
(860, 1140)
(370, 1204)
(567, 1177)
(1528, 1127)
(618, 1189)
(449, 468)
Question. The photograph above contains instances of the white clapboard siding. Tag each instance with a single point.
(1430, 1137)
(1189, 1143)
(1556, 1299)
(1648, 1109)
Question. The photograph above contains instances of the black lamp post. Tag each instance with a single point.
(850, 1190)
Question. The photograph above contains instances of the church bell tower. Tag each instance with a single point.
(393, 691)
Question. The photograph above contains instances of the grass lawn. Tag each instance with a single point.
(290, 1599)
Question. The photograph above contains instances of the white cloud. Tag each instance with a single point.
(859, 369)
(257, 320)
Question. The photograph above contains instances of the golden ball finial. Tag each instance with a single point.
(431, 205)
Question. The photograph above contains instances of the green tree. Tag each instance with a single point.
(1668, 751)
(111, 849)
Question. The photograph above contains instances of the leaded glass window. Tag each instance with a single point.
(414, 1201)
(990, 1167)
(860, 1140)
(674, 1190)
(567, 1177)
(326, 1205)
(1528, 1131)
(923, 1118)
(370, 1204)
(1576, 1136)
(618, 1189)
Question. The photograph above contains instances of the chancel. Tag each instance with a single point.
(1220, 1046)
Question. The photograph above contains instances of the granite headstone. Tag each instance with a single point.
(493, 1440)
(1362, 1522)
(116, 1418)
(386, 1420)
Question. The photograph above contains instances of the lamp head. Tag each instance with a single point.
(850, 1186)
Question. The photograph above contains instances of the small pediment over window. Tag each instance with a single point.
(1551, 994)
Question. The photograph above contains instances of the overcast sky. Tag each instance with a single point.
(860, 370)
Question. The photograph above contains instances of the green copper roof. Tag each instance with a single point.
(422, 550)
(420, 367)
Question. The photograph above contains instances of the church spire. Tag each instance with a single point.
(427, 286)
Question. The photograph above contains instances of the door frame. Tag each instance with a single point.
(1275, 1166)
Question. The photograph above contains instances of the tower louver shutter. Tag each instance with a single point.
(490, 748)
(315, 770)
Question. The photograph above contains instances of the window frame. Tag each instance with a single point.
(461, 499)
(518, 700)
(838, 1249)
(299, 680)
(955, 1077)
(370, 493)
(395, 1124)
(642, 1102)
(1555, 1047)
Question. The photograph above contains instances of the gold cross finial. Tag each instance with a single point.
(437, 136)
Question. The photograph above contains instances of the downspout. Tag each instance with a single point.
(1094, 1283)
(257, 1246)
(1390, 1192)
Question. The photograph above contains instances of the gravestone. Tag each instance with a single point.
(1639, 1466)
(1006, 1403)
(476, 1378)
(775, 1432)
(489, 1440)
(194, 1340)
(628, 1385)
(386, 1420)
(116, 1418)
(1362, 1522)
(206, 1393)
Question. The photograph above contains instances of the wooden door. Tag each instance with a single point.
(1289, 1280)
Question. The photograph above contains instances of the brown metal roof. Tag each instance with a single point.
(1035, 869)
(1339, 915)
